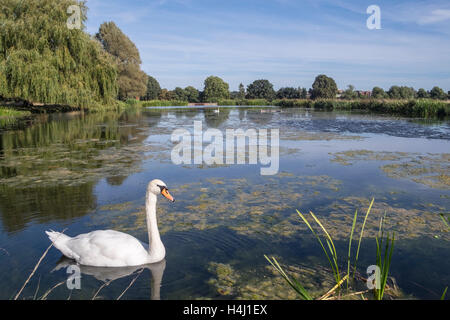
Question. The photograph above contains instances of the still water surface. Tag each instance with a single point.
(88, 172)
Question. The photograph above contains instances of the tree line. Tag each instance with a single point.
(44, 61)
(324, 87)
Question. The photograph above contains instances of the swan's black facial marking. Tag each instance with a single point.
(165, 193)
(162, 187)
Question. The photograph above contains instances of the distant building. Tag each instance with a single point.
(339, 93)
(362, 93)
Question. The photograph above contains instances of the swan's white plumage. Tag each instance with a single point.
(110, 248)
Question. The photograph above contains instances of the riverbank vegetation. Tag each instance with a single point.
(9, 116)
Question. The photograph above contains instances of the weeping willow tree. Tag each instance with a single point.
(43, 60)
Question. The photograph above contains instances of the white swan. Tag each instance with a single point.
(109, 248)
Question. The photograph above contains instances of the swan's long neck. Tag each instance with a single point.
(155, 245)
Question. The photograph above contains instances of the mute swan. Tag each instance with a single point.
(109, 248)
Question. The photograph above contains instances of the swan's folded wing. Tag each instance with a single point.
(108, 248)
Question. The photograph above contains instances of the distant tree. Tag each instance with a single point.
(192, 94)
(241, 94)
(448, 95)
(407, 92)
(179, 94)
(437, 93)
(166, 95)
(215, 89)
(350, 93)
(234, 95)
(42, 60)
(394, 92)
(324, 87)
(132, 80)
(303, 93)
(378, 93)
(260, 89)
(288, 93)
(153, 89)
(422, 94)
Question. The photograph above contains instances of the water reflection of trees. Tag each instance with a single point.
(215, 119)
(48, 170)
(260, 116)
(18, 207)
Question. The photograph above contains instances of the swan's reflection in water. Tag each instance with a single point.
(109, 274)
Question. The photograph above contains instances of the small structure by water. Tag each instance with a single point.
(202, 104)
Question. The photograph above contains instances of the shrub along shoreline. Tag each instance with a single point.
(423, 108)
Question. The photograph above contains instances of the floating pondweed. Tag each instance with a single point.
(428, 169)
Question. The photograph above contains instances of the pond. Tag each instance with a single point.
(83, 172)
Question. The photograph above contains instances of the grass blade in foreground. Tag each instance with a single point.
(350, 246)
(361, 235)
(293, 283)
(444, 293)
(334, 265)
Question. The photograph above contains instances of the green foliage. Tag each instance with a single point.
(132, 80)
(438, 94)
(153, 89)
(303, 93)
(163, 103)
(192, 94)
(228, 102)
(324, 87)
(9, 116)
(6, 112)
(260, 89)
(165, 94)
(241, 94)
(215, 89)
(383, 261)
(422, 94)
(42, 60)
(288, 93)
(424, 108)
(444, 293)
(396, 92)
(331, 254)
(180, 94)
(255, 102)
(378, 93)
(350, 93)
(292, 282)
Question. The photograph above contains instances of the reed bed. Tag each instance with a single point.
(424, 108)
(163, 103)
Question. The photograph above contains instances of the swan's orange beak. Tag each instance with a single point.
(166, 194)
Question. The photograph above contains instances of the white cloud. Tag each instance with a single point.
(437, 15)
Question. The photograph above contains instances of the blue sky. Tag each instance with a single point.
(288, 42)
